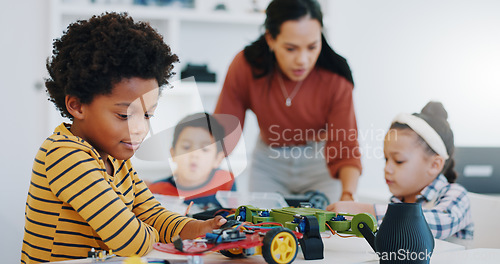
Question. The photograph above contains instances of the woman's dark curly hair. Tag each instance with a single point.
(93, 55)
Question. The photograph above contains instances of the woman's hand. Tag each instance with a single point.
(351, 207)
(349, 176)
(196, 228)
(346, 196)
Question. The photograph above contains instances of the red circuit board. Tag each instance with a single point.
(201, 247)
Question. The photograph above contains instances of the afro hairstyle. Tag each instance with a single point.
(92, 55)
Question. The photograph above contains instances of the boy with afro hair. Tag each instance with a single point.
(106, 74)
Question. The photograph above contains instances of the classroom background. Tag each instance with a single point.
(402, 54)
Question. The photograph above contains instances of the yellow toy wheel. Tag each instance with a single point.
(234, 252)
(279, 246)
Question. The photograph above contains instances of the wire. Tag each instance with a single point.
(260, 227)
(335, 233)
(243, 225)
(344, 236)
(239, 225)
(193, 243)
(326, 235)
(189, 207)
(216, 243)
(267, 223)
(231, 211)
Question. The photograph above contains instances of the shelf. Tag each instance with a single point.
(224, 17)
(163, 13)
(186, 88)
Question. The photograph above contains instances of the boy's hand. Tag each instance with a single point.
(214, 223)
(351, 207)
(196, 228)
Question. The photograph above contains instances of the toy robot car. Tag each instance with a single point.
(275, 233)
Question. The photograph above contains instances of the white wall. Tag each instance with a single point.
(405, 53)
(402, 53)
(23, 49)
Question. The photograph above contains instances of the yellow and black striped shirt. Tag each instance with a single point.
(73, 205)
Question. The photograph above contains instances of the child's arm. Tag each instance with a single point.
(351, 207)
(148, 209)
(77, 178)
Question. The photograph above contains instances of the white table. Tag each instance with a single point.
(337, 250)
(344, 251)
(477, 255)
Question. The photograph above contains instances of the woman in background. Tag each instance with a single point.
(301, 92)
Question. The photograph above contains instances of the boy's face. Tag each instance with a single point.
(195, 155)
(408, 168)
(117, 123)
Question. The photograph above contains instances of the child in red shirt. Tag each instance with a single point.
(198, 152)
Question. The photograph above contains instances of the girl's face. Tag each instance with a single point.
(297, 47)
(408, 168)
(195, 154)
(116, 124)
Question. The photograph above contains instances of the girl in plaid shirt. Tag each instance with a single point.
(418, 150)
